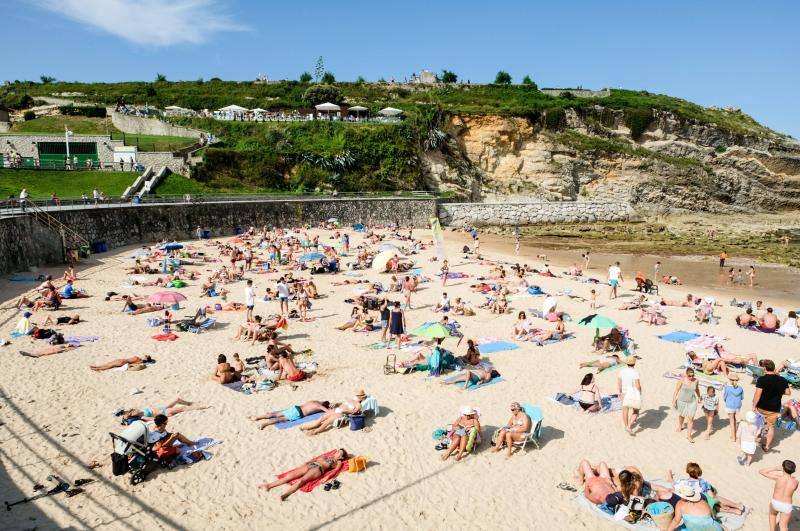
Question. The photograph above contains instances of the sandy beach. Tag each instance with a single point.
(55, 413)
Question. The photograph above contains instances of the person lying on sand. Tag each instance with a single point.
(137, 309)
(476, 376)
(114, 296)
(119, 362)
(598, 481)
(55, 349)
(223, 372)
(676, 302)
(351, 406)
(466, 422)
(293, 413)
(308, 472)
(603, 363)
(707, 366)
(170, 409)
(556, 334)
(729, 357)
(63, 320)
(515, 430)
(635, 304)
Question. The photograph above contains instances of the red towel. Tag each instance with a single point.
(165, 337)
(330, 475)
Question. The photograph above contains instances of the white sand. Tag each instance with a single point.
(57, 415)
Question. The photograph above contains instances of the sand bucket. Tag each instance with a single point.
(661, 513)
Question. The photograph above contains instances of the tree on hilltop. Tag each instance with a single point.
(305, 77)
(502, 78)
(328, 78)
(360, 80)
(319, 69)
(160, 77)
(529, 82)
(449, 77)
(47, 79)
(317, 94)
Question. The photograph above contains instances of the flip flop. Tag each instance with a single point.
(328, 486)
(335, 485)
(566, 486)
(80, 482)
(73, 492)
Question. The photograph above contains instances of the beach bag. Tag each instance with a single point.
(357, 422)
(153, 321)
(357, 464)
(56, 339)
(661, 513)
(119, 464)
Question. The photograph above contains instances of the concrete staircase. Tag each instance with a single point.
(153, 182)
(70, 239)
(133, 189)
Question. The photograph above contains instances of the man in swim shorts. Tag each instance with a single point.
(293, 413)
(597, 481)
(614, 278)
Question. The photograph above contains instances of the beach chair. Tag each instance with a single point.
(650, 287)
(205, 325)
(535, 435)
(755, 371)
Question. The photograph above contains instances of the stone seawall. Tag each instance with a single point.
(149, 126)
(500, 214)
(24, 243)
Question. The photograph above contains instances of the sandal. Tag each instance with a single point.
(80, 482)
(328, 486)
(566, 486)
(335, 485)
(73, 492)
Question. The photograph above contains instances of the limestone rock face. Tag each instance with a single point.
(676, 165)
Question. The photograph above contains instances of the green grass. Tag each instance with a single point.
(179, 185)
(66, 184)
(155, 142)
(80, 125)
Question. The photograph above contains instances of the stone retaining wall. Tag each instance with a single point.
(149, 126)
(157, 159)
(24, 243)
(500, 214)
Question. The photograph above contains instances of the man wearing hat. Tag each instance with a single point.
(732, 396)
(629, 387)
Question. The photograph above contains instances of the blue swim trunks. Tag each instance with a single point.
(293, 413)
(613, 282)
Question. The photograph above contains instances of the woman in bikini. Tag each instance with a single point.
(172, 408)
(350, 406)
(473, 377)
(514, 431)
(119, 362)
(310, 471)
(355, 317)
(588, 394)
(473, 355)
(464, 424)
(224, 373)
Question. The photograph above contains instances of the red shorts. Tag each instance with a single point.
(297, 377)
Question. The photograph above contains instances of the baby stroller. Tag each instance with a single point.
(133, 454)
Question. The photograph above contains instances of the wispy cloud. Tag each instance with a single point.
(149, 22)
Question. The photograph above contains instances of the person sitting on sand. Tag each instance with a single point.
(791, 326)
(50, 300)
(612, 339)
(693, 511)
(636, 304)
(515, 430)
(522, 327)
(704, 311)
(473, 355)
(161, 438)
(288, 370)
(603, 363)
(597, 481)
(460, 308)
(746, 319)
(63, 320)
(654, 315)
(588, 394)
(463, 428)
(49, 351)
(69, 274)
(695, 480)
(473, 377)
(631, 483)
(249, 330)
(355, 319)
(707, 366)
(551, 335)
(119, 362)
(574, 271)
(170, 409)
(351, 406)
(443, 305)
(310, 471)
(293, 413)
(70, 292)
(769, 322)
(24, 325)
(223, 372)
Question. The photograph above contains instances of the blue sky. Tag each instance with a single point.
(726, 53)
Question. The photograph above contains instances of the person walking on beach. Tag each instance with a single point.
(445, 271)
(585, 260)
(751, 274)
(614, 278)
(780, 506)
(249, 300)
(629, 387)
(516, 233)
(767, 398)
(656, 271)
(722, 256)
(283, 295)
(397, 323)
(199, 232)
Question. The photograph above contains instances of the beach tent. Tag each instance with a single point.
(387, 247)
(311, 257)
(358, 110)
(328, 107)
(390, 111)
(381, 261)
(233, 108)
(549, 304)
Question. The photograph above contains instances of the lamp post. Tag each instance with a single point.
(67, 134)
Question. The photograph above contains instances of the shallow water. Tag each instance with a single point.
(774, 284)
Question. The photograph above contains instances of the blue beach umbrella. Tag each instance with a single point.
(311, 257)
(171, 246)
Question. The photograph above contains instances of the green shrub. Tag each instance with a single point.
(638, 120)
(502, 78)
(554, 119)
(317, 94)
(328, 78)
(29, 115)
(90, 112)
(449, 77)
(305, 77)
(16, 101)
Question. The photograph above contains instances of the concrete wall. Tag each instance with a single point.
(149, 126)
(24, 243)
(157, 159)
(25, 145)
(578, 93)
(486, 214)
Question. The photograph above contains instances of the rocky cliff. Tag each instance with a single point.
(674, 165)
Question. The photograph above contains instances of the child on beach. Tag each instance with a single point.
(748, 438)
(732, 396)
(710, 406)
(780, 506)
(593, 299)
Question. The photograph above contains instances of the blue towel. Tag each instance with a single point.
(292, 423)
(497, 346)
(535, 290)
(24, 279)
(481, 386)
(679, 336)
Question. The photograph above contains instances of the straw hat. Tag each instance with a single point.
(750, 417)
(688, 493)
(630, 360)
(361, 394)
(733, 377)
(467, 410)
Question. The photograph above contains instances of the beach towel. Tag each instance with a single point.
(292, 423)
(234, 386)
(704, 342)
(482, 385)
(201, 445)
(551, 341)
(454, 274)
(679, 336)
(535, 290)
(608, 403)
(165, 337)
(496, 346)
(77, 340)
(717, 381)
(26, 279)
(330, 475)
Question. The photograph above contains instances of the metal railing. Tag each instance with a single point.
(13, 206)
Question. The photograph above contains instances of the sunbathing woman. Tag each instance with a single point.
(228, 307)
(730, 358)
(522, 326)
(602, 364)
(293, 413)
(588, 394)
(473, 355)
(554, 335)
(172, 408)
(69, 274)
(466, 422)
(515, 430)
(675, 302)
(476, 376)
(223, 372)
(351, 406)
(636, 304)
(355, 318)
(63, 320)
(55, 349)
(119, 362)
(136, 309)
(707, 366)
(310, 471)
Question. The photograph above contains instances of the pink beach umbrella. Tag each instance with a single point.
(166, 297)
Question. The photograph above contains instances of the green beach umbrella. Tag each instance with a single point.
(434, 331)
(597, 321)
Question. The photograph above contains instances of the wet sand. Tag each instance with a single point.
(774, 283)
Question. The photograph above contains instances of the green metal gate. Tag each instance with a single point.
(53, 154)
